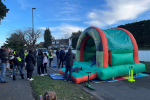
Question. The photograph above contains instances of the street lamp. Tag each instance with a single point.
(33, 27)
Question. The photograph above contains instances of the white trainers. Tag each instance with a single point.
(28, 79)
(42, 75)
(31, 79)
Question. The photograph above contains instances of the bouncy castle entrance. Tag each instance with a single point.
(89, 50)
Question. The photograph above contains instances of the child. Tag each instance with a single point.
(50, 95)
(45, 62)
(93, 60)
(76, 69)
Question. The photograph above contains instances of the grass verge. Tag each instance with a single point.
(147, 67)
(64, 90)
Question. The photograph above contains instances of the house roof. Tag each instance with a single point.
(64, 40)
(76, 35)
(41, 43)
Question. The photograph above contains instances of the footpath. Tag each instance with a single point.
(20, 89)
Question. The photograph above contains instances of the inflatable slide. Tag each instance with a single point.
(115, 49)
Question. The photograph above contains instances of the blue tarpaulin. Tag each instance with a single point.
(56, 76)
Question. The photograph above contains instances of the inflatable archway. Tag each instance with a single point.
(115, 50)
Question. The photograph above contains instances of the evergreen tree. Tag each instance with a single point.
(47, 38)
(3, 11)
(14, 44)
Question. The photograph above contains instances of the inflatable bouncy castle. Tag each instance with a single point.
(115, 49)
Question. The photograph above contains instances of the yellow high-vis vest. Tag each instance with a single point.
(14, 52)
(19, 58)
(25, 54)
(50, 56)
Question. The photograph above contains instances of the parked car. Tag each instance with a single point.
(44, 50)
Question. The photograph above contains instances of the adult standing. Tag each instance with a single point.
(30, 60)
(40, 63)
(61, 55)
(50, 56)
(34, 53)
(1, 52)
(69, 63)
(8, 53)
(3, 65)
(21, 55)
(25, 53)
(57, 54)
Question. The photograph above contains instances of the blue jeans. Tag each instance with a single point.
(3, 70)
(94, 62)
(66, 72)
(19, 68)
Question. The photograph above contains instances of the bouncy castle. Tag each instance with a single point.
(115, 49)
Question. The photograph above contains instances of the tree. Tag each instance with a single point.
(3, 11)
(13, 43)
(73, 33)
(47, 38)
(26, 36)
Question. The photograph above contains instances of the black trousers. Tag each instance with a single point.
(50, 60)
(29, 73)
(40, 69)
(45, 67)
(61, 61)
(57, 58)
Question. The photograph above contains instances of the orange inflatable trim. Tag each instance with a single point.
(105, 47)
(136, 59)
(81, 79)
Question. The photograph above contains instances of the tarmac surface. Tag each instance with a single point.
(120, 90)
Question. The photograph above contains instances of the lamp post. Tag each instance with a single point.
(33, 28)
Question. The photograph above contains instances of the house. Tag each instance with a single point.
(41, 43)
(60, 43)
(73, 36)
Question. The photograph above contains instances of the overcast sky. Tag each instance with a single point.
(67, 16)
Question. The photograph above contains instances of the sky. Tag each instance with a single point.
(67, 16)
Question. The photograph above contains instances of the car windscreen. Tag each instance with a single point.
(43, 50)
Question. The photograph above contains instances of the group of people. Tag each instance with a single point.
(16, 61)
(68, 59)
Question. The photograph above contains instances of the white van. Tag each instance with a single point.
(44, 50)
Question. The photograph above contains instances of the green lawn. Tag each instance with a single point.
(64, 90)
(143, 48)
(147, 67)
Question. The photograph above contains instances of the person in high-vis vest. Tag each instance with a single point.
(21, 55)
(50, 56)
(14, 52)
(17, 62)
(25, 53)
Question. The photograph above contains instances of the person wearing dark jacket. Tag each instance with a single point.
(3, 65)
(40, 63)
(22, 63)
(34, 53)
(69, 63)
(30, 60)
(16, 61)
(1, 51)
(57, 53)
(76, 69)
(61, 56)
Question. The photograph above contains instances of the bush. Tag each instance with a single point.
(74, 42)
